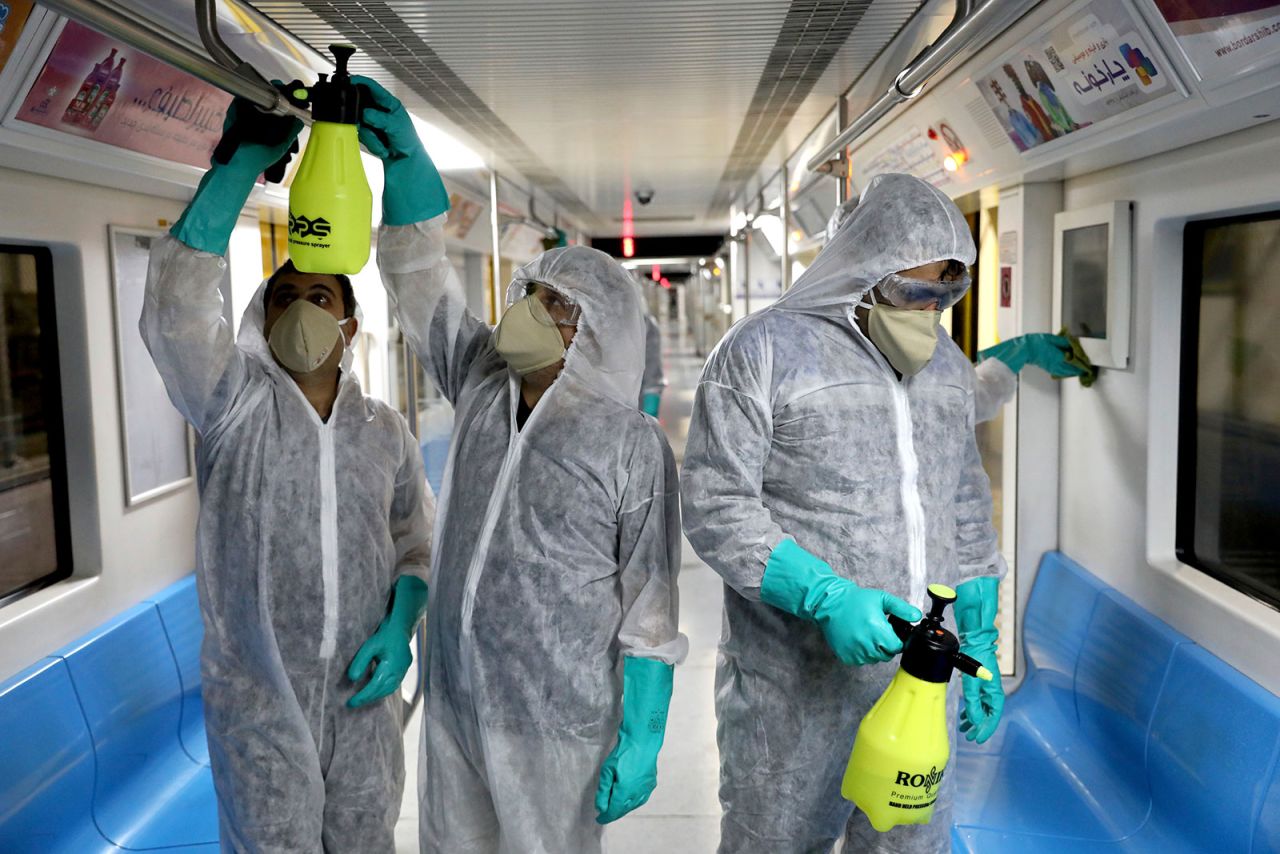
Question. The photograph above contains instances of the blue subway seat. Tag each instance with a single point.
(180, 614)
(1125, 736)
(102, 742)
(46, 765)
(148, 793)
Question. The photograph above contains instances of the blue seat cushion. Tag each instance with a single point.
(129, 690)
(1212, 754)
(46, 765)
(180, 615)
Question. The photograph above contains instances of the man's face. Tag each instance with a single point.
(566, 316)
(938, 271)
(318, 289)
(563, 312)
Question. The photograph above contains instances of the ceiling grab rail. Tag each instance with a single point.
(134, 31)
(971, 21)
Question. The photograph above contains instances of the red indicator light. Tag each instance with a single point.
(628, 247)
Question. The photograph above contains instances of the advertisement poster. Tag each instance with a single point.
(463, 213)
(13, 16)
(913, 154)
(95, 88)
(1222, 38)
(1089, 66)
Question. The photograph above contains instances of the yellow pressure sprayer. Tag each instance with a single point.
(900, 754)
(330, 204)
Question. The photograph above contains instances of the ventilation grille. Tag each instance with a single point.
(812, 35)
(986, 120)
(384, 38)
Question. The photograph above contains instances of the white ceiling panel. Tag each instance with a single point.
(587, 97)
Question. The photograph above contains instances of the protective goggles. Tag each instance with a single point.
(915, 293)
(562, 310)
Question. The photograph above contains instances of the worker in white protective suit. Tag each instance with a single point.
(655, 378)
(314, 535)
(998, 367)
(552, 630)
(831, 474)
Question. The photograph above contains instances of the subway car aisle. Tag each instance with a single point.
(683, 816)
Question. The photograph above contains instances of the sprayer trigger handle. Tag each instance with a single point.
(900, 627)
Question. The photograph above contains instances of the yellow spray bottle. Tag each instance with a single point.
(330, 204)
(900, 754)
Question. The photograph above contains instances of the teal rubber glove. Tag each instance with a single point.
(208, 221)
(389, 645)
(852, 618)
(412, 190)
(651, 403)
(630, 773)
(1048, 352)
(975, 610)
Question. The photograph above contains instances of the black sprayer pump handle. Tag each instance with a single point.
(342, 53)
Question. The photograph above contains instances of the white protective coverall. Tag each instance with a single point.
(801, 429)
(557, 551)
(655, 379)
(305, 526)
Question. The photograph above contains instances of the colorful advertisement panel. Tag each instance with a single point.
(1222, 38)
(13, 16)
(1091, 64)
(96, 88)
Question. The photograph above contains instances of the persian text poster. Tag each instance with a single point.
(1090, 65)
(94, 87)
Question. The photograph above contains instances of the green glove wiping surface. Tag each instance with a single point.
(389, 645)
(630, 773)
(976, 604)
(853, 619)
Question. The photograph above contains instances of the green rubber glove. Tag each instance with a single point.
(389, 645)
(651, 403)
(412, 190)
(852, 618)
(1050, 353)
(208, 221)
(975, 610)
(630, 773)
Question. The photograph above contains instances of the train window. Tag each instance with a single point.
(1229, 438)
(34, 524)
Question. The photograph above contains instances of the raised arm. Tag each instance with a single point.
(182, 320)
(423, 288)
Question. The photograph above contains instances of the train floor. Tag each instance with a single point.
(683, 816)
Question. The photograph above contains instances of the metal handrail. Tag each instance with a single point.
(969, 22)
(136, 32)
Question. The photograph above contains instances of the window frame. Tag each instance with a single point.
(1188, 410)
(51, 375)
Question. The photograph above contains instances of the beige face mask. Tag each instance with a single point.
(907, 337)
(527, 337)
(305, 336)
